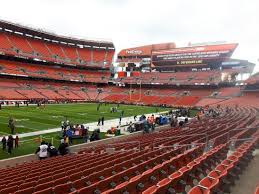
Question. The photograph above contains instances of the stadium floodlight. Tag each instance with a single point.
(20, 33)
(7, 30)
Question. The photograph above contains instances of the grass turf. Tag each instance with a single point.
(28, 145)
(28, 119)
(33, 119)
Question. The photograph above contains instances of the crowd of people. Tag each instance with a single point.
(10, 143)
(69, 131)
(46, 150)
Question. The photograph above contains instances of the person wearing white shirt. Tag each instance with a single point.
(42, 151)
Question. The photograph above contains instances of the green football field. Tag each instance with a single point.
(28, 119)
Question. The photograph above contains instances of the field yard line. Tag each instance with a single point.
(1, 132)
(34, 129)
(19, 114)
(32, 122)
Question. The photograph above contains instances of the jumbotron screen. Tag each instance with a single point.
(193, 55)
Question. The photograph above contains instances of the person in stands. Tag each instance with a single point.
(63, 148)
(4, 143)
(52, 150)
(42, 151)
(16, 142)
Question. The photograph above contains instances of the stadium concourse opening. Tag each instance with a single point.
(166, 119)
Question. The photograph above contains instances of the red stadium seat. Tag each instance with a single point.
(63, 188)
(44, 186)
(28, 190)
(9, 190)
(28, 184)
(209, 182)
(45, 191)
(199, 190)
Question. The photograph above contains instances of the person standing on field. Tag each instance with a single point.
(4, 143)
(11, 125)
(103, 120)
(10, 144)
(16, 141)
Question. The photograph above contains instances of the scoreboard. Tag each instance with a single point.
(193, 55)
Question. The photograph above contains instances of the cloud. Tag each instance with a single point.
(136, 22)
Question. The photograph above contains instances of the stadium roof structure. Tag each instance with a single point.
(254, 79)
(243, 65)
(29, 31)
(145, 50)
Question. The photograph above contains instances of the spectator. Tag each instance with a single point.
(172, 124)
(95, 135)
(135, 117)
(84, 133)
(120, 120)
(4, 143)
(130, 127)
(16, 141)
(102, 120)
(198, 116)
(63, 148)
(98, 107)
(181, 123)
(62, 125)
(52, 150)
(175, 121)
(69, 134)
(42, 151)
(11, 125)
(10, 143)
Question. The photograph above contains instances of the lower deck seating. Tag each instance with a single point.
(225, 173)
(154, 165)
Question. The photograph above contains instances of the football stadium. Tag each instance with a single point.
(79, 116)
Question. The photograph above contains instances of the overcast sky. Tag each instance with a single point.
(130, 23)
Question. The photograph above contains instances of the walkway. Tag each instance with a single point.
(249, 179)
(92, 126)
